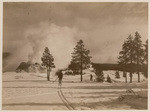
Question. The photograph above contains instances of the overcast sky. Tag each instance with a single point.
(102, 26)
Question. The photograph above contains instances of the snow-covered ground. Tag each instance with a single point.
(31, 91)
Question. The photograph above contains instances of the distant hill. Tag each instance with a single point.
(107, 66)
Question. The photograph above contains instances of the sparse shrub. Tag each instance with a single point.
(100, 76)
(109, 79)
(117, 75)
(100, 79)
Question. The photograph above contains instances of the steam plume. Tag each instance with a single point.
(59, 40)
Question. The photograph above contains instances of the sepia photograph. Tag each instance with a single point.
(74, 56)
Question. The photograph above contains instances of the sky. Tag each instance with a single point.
(28, 27)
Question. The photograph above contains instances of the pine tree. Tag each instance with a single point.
(138, 52)
(146, 52)
(123, 58)
(127, 56)
(100, 75)
(130, 44)
(80, 57)
(146, 58)
(47, 60)
(74, 67)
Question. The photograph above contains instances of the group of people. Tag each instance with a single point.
(60, 76)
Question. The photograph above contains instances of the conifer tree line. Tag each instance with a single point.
(132, 57)
(134, 54)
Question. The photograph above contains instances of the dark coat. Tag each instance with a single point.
(60, 74)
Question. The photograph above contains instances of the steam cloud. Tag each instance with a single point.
(59, 40)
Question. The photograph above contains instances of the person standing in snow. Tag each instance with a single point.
(60, 76)
(91, 77)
